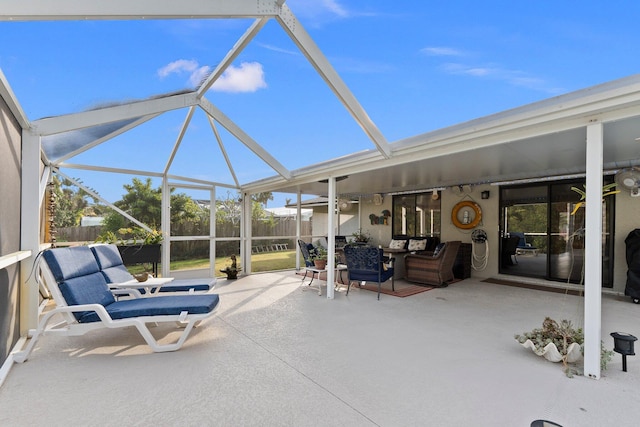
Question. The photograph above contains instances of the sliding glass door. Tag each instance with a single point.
(524, 218)
(551, 232)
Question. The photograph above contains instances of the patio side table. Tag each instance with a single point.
(339, 269)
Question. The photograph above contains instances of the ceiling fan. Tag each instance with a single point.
(629, 179)
(344, 205)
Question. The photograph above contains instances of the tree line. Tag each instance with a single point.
(143, 202)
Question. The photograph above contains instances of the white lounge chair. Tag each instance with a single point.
(84, 302)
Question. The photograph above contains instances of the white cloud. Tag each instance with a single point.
(441, 51)
(512, 77)
(198, 75)
(178, 67)
(317, 11)
(278, 49)
(334, 7)
(248, 77)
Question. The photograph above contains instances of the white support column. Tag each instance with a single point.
(331, 238)
(593, 252)
(29, 230)
(165, 222)
(245, 233)
(212, 232)
(298, 227)
(359, 212)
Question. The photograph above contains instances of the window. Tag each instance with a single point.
(416, 214)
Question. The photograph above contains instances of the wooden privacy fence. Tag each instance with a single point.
(269, 236)
(78, 234)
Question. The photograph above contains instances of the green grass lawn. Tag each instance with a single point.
(266, 261)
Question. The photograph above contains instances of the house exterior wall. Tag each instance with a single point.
(490, 217)
(348, 221)
(380, 233)
(10, 179)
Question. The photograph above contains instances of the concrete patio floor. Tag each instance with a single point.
(277, 354)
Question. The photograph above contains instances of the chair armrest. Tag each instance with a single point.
(133, 293)
(424, 256)
(99, 309)
(425, 253)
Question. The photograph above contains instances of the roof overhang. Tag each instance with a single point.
(540, 139)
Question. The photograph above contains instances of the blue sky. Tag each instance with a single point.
(415, 66)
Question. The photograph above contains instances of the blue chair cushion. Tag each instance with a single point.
(111, 264)
(311, 251)
(438, 248)
(67, 263)
(369, 276)
(107, 256)
(78, 275)
(158, 306)
(89, 289)
(117, 274)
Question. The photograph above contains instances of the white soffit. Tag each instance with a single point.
(537, 139)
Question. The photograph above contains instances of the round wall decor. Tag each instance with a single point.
(467, 222)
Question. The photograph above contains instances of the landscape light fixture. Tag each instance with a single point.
(623, 344)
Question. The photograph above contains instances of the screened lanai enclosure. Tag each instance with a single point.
(210, 202)
(127, 134)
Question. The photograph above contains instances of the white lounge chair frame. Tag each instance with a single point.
(69, 326)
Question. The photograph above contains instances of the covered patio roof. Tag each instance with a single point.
(540, 140)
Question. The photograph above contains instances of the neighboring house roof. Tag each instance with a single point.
(89, 221)
(287, 212)
(316, 201)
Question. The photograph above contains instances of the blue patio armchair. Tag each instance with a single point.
(510, 250)
(307, 251)
(367, 264)
(522, 240)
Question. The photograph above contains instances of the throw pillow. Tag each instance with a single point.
(397, 244)
(437, 250)
(417, 244)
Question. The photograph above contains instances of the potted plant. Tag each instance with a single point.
(575, 239)
(231, 270)
(319, 257)
(132, 236)
(361, 236)
(559, 342)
